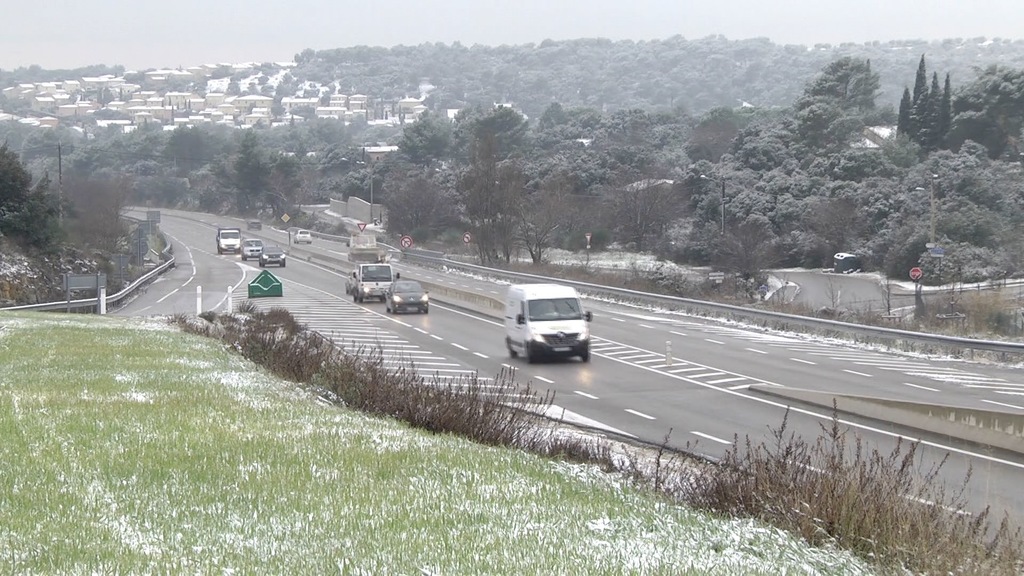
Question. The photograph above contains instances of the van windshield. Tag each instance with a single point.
(377, 273)
(555, 309)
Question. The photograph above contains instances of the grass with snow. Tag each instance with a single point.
(130, 447)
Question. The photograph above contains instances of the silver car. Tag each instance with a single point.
(251, 248)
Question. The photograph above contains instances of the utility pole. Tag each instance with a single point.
(60, 184)
(935, 178)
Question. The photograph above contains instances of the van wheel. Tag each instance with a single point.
(585, 356)
(355, 298)
(530, 356)
(511, 351)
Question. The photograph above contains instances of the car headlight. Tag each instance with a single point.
(396, 298)
(366, 288)
(424, 298)
(538, 338)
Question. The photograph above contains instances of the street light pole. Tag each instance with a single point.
(721, 198)
(935, 178)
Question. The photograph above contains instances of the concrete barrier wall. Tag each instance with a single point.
(339, 207)
(986, 427)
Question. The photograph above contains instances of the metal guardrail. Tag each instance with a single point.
(775, 320)
(168, 263)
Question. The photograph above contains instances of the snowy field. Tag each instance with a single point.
(133, 448)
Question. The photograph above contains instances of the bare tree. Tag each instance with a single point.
(544, 213)
(643, 209)
(491, 193)
(96, 210)
(748, 249)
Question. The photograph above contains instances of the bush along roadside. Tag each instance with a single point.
(832, 492)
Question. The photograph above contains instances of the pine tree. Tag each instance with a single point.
(903, 122)
(945, 113)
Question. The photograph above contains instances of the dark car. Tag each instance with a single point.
(405, 295)
(254, 225)
(272, 255)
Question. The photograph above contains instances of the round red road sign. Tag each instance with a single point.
(916, 273)
(406, 241)
(467, 237)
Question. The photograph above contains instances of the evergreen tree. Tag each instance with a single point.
(945, 113)
(929, 135)
(903, 122)
(919, 94)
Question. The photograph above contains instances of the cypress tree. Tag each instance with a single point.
(903, 122)
(920, 93)
(930, 136)
(945, 113)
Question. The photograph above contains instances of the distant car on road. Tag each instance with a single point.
(272, 255)
(251, 248)
(406, 295)
(303, 237)
(254, 225)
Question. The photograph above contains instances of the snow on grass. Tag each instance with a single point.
(134, 450)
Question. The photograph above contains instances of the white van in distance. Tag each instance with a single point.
(546, 320)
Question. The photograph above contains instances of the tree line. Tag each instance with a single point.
(740, 188)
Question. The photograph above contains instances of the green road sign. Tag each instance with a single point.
(265, 284)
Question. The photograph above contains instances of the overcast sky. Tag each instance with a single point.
(140, 35)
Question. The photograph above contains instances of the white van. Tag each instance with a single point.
(546, 320)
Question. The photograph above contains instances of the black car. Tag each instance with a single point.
(272, 255)
(405, 295)
(254, 225)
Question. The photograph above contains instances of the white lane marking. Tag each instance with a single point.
(707, 375)
(859, 373)
(648, 361)
(459, 346)
(676, 333)
(436, 337)
(724, 380)
(645, 326)
(710, 437)
(543, 379)
(921, 387)
(713, 341)
(740, 387)
(420, 330)
(480, 354)
(585, 395)
(804, 361)
(678, 370)
(618, 319)
(1003, 404)
(640, 414)
(637, 356)
(755, 350)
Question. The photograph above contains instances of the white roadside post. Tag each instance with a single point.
(103, 300)
(230, 306)
(668, 352)
(199, 300)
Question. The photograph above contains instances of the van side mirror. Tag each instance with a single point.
(353, 273)
(588, 315)
(520, 319)
(398, 275)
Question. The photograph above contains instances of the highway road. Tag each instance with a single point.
(631, 387)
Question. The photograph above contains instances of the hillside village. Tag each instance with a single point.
(110, 100)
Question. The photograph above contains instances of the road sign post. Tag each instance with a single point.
(589, 236)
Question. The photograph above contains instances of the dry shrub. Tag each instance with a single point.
(880, 506)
